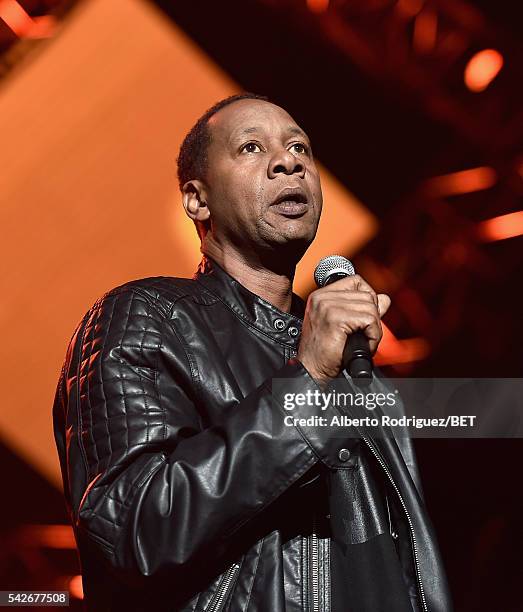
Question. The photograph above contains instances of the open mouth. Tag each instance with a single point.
(291, 202)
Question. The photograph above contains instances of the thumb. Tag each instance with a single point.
(383, 303)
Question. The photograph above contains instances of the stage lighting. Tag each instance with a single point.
(482, 68)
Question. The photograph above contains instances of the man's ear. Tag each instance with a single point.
(194, 198)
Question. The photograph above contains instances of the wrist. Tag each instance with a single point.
(320, 379)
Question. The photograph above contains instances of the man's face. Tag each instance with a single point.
(263, 188)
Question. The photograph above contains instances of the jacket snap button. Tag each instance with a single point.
(344, 454)
(394, 535)
(279, 324)
(293, 331)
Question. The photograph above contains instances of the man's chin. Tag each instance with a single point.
(299, 235)
(288, 240)
(288, 248)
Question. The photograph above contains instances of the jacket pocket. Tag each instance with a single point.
(224, 589)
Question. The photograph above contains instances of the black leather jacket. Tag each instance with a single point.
(185, 488)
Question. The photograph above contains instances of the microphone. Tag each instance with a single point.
(357, 358)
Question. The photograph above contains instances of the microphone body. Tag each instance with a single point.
(357, 358)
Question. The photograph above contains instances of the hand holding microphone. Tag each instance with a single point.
(342, 323)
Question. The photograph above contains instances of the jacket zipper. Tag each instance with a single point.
(317, 571)
(219, 598)
(411, 526)
(312, 558)
(314, 565)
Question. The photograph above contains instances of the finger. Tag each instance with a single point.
(346, 297)
(352, 305)
(384, 303)
(354, 283)
(362, 317)
(341, 292)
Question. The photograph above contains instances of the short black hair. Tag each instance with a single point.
(192, 158)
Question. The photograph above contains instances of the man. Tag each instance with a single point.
(186, 488)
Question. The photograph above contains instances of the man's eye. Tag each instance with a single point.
(251, 147)
(299, 147)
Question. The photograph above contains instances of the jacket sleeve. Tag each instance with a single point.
(403, 440)
(149, 486)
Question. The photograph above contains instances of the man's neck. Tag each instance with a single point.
(274, 287)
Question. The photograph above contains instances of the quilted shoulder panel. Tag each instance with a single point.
(164, 292)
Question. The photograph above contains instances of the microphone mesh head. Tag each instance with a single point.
(333, 264)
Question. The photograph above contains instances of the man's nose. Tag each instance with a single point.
(284, 162)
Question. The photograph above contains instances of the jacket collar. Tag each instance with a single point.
(283, 327)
